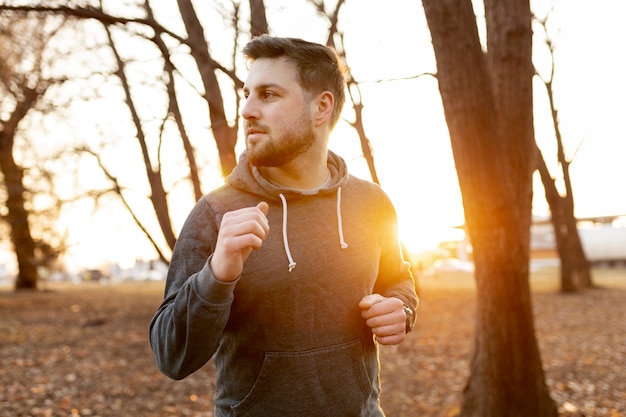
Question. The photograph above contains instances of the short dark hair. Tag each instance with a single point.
(318, 65)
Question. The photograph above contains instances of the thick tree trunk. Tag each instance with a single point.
(17, 216)
(488, 106)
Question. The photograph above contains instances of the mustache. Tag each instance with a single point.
(256, 128)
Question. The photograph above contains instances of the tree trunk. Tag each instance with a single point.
(225, 135)
(488, 107)
(258, 18)
(575, 269)
(559, 225)
(17, 216)
(579, 265)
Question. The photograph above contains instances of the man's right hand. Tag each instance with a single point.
(240, 231)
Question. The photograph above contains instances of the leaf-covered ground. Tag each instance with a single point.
(82, 350)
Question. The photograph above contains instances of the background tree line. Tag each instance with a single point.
(173, 83)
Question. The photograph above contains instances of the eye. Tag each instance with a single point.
(268, 94)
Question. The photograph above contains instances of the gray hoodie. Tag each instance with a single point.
(287, 337)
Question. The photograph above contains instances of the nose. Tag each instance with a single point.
(250, 109)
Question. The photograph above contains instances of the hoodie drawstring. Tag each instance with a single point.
(292, 263)
(342, 243)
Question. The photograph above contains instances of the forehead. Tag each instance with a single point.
(272, 71)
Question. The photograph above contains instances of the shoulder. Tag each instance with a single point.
(212, 206)
(365, 190)
(366, 198)
(228, 198)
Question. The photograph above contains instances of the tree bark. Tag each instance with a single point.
(174, 108)
(225, 135)
(17, 214)
(574, 262)
(487, 102)
(559, 225)
(575, 269)
(258, 18)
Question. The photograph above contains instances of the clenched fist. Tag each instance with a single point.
(240, 231)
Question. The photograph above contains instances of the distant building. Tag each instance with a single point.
(4, 275)
(150, 270)
(542, 239)
(603, 239)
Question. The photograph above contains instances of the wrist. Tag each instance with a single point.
(410, 318)
(218, 273)
(212, 289)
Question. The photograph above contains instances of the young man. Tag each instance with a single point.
(291, 273)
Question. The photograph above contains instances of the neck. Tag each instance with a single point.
(303, 173)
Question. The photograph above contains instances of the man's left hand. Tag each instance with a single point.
(385, 316)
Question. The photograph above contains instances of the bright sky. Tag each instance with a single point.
(405, 123)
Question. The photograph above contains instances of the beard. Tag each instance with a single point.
(277, 151)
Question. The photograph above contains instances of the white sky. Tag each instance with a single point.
(405, 123)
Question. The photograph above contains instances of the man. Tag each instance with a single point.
(290, 274)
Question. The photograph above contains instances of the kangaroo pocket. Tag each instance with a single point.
(331, 381)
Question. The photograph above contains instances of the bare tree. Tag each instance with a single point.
(487, 99)
(224, 132)
(158, 195)
(575, 269)
(166, 42)
(23, 85)
(174, 110)
(118, 189)
(171, 79)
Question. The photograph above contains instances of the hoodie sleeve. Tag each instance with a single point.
(186, 329)
(394, 274)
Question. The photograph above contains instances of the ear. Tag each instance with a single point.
(324, 106)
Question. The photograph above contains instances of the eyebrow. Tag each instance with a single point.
(264, 87)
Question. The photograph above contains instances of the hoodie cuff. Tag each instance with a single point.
(211, 289)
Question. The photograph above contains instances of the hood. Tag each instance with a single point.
(246, 177)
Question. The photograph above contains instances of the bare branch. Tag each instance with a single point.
(118, 190)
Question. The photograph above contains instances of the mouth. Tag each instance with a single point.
(253, 131)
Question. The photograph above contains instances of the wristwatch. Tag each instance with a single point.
(410, 318)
